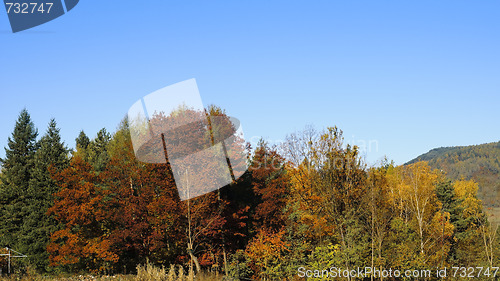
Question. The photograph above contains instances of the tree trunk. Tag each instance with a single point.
(190, 242)
(225, 260)
(193, 257)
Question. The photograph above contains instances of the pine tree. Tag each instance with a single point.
(98, 150)
(450, 203)
(82, 144)
(37, 226)
(82, 141)
(17, 168)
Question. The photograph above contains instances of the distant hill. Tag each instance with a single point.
(478, 162)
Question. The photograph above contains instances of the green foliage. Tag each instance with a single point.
(402, 249)
(325, 257)
(37, 225)
(98, 150)
(17, 170)
(82, 141)
(82, 144)
(239, 266)
(451, 204)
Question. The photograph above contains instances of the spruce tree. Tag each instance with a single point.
(82, 141)
(450, 204)
(37, 225)
(82, 144)
(17, 169)
(465, 242)
(98, 150)
(446, 195)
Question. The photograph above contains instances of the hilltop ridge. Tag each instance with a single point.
(478, 162)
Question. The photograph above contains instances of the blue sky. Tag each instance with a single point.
(404, 76)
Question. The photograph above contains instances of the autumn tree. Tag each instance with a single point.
(270, 184)
(191, 142)
(83, 243)
(328, 183)
(80, 206)
(142, 207)
(267, 250)
(379, 212)
(475, 235)
(118, 215)
(413, 192)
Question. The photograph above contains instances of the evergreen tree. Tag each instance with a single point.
(98, 150)
(82, 144)
(37, 225)
(451, 204)
(17, 168)
(82, 141)
(465, 242)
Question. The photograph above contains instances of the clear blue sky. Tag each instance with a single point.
(408, 75)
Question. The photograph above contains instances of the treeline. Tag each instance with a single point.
(309, 203)
(480, 163)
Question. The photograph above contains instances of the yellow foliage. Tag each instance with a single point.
(466, 190)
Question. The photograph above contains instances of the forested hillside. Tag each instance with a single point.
(480, 163)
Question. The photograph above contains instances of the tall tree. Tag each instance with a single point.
(413, 192)
(82, 144)
(17, 169)
(98, 150)
(82, 141)
(37, 225)
(380, 214)
(83, 242)
(142, 207)
(471, 225)
(270, 184)
(450, 204)
(328, 182)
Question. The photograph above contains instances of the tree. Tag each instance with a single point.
(117, 217)
(380, 213)
(474, 232)
(328, 183)
(270, 184)
(17, 169)
(194, 142)
(267, 251)
(82, 144)
(97, 149)
(413, 192)
(83, 243)
(37, 226)
(142, 207)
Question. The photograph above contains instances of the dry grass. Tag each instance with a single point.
(75, 278)
(174, 273)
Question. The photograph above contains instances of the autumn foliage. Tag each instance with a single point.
(312, 202)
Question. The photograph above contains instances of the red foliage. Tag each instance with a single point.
(271, 184)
